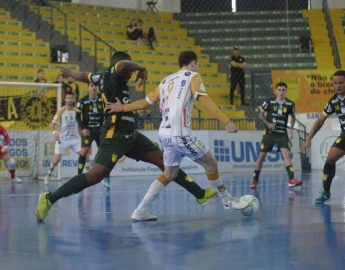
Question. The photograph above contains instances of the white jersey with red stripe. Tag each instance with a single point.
(176, 104)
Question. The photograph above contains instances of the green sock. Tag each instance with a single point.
(256, 175)
(81, 164)
(74, 185)
(187, 183)
(290, 172)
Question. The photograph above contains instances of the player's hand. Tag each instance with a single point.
(4, 149)
(65, 72)
(141, 77)
(56, 135)
(85, 132)
(231, 127)
(306, 145)
(290, 134)
(271, 126)
(114, 107)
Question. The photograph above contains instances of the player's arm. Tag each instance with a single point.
(242, 65)
(315, 128)
(207, 104)
(79, 76)
(150, 99)
(127, 67)
(55, 125)
(6, 139)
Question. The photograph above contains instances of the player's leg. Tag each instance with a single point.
(286, 154)
(233, 83)
(242, 91)
(208, 162)
(335, 153)
(142, 212)
(11, 165)
(145, 150)
(266, 145)
(106, 158)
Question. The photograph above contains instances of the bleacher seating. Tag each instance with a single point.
(22, 54)
(110, 25)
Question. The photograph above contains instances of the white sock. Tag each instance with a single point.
(150, 195)
(51, 168)
(217, 184)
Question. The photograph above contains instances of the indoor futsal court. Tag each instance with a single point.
(93, 230)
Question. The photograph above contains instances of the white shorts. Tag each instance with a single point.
(176, 148)
(61, 147)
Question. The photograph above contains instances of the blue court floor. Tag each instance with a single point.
(93, 230)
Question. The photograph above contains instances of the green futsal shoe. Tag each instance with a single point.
(209, 194)
(43, 206)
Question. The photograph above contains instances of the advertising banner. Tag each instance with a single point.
(309, 89)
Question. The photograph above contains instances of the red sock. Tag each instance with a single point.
(12, 173)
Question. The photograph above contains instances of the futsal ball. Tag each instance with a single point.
(252, 207)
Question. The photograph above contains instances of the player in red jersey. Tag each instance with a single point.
(4, 155)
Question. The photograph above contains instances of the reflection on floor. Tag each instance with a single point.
(92, 230)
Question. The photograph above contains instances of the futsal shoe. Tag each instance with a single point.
(106, 182)
(43, 206)
(254, 184)
(324, 196)
(142, 215)
(294, 182)
(17, 180)
(209, 194)
(234, 203)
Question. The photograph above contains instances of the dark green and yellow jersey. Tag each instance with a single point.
(114, 85)
(90, 112)
(336, 105)
(278, 113)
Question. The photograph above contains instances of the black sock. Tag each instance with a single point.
(74, 185)
(187, 183)
(290, 171)
(256, 175)
(81, 164)
(328, 174)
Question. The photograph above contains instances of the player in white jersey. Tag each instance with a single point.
(65, 132)
(177, 94)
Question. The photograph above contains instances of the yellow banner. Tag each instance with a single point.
(27, 108)
(309, 89)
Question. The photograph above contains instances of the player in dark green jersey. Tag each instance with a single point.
(336, 105)
(90, 118)
(275, 113)
(119, 137)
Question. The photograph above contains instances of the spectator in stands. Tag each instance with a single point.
(60, 79)
(73, 87)
(237, 78)
(40, 76)
(9, 161)
(135, 31)
(275, 113)
(150, 36)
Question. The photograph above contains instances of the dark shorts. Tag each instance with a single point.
(87, 141)
(340, 142)
(135, 147)
(269, 140)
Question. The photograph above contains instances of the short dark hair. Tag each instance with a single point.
(69, 93)
(118, 56)
(186, 57)
(339, 72)
(281, 84)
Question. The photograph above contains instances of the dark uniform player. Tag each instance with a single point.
(275, 114)
(119, 136)
(336, 105)
(238, 63)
